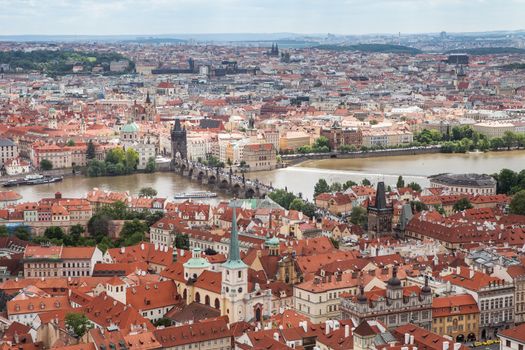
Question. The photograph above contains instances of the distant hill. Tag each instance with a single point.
(513, 66)
(382, 48)
(489, 51)
(61, 61)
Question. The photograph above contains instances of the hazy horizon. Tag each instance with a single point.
(302, 17)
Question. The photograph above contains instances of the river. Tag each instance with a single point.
(300, 178)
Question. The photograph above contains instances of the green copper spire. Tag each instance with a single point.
(234, 256)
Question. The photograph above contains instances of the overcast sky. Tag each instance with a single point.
(109, 17)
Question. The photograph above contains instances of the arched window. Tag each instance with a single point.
(207, 300)
(197, 297)
(185, 294)
(217, 303)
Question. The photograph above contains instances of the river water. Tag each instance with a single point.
(301, 178)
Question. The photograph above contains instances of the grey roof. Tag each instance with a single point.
(482, 180)
(6, 143)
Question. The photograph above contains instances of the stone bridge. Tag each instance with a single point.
(221, 179)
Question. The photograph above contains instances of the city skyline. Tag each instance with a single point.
(163, 17)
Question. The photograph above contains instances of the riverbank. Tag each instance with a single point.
(300, 159)
(296, 159)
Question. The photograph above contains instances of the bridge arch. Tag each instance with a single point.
(249, 193)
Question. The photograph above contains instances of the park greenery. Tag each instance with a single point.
(118, 162)
(290, 201)
(462, 139)
(509, 181)
(321, 145)
(212, 162)
(59, 62)
(517, 204)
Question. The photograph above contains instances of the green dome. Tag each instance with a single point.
(197, 261)
(130, 127)
(274, 241)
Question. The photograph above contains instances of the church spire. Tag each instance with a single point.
(234, 256)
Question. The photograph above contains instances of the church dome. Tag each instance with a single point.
(394, 281)
(271, 242)
(130, 127)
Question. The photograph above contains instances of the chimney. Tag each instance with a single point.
(471, 273)
(411, 339)
(276, 336)
(458, 270)
(304, 324)
(457, 346)
(327, 327)
(347, 331)
(407, 338)
(445, 345)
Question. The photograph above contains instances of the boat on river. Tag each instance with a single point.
(34, 179)
(194, 195)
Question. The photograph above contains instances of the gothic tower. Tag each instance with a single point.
(380, 214)
(150, 108)
(178, 142)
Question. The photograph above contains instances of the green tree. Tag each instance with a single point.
(150, 165)
(297, 204)
(321, 187)
(115, 211)
(164, 321)
(133, 232)
(400, 182)
(462, 204)
(70, 143)
(418, 206)
(517, 204)
(322, 142)
(358, 216)
(496, 143)
(23, 233)
(282, 197)
(506, 180)
(54, 232)
(148, 192)
(348, 185)
(182, 241)
(3, 231)
(45, 164)
(75, 236)
(77, 324)
(439, 208)
(509, 139)
(366, 182)
(336, 187)
(132, 160)
(116, 155)
(90, 152)
(98, 225)
(414, 186)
